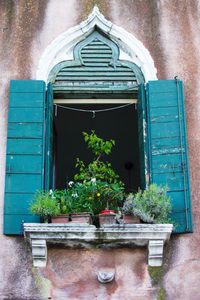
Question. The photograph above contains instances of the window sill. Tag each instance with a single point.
(82, 235)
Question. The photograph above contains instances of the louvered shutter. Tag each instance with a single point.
(25, 152)
(168, 157)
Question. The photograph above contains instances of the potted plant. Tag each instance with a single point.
(44, 205)
(101, 185)
(64, 205)
(152, 205)
(80, 207)
(96, 189)
(127, 211)
(51, 206)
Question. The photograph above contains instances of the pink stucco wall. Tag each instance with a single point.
(170, 31)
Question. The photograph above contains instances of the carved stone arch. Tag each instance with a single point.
(130, 48)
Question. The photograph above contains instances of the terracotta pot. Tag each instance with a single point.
(81, 218)
(60, 219)
(107, 219)
(129, 219)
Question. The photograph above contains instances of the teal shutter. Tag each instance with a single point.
(49, 139)
(168, 157)
(25, 152)
(142, 135)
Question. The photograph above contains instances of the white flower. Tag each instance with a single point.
(75, 195)
(70, 183)
(50, 192)
(93, 180)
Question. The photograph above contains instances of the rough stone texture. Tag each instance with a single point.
(17, 281)
(170, 31)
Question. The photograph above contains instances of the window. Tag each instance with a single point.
(161, 127)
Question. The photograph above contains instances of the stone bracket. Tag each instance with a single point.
(155, 253)
(39, 252)
(75, 235)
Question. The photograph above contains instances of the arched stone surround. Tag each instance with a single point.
(131, 49)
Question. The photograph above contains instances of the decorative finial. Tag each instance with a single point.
(96, 10)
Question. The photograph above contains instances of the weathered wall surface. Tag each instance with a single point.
(170, 31)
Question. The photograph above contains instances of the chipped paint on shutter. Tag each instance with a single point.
(25, 152)
(168, 156)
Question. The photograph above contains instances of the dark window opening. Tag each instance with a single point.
(120, 125)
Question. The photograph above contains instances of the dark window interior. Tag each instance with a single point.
(119, 124)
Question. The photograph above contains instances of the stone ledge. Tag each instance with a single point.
(82, 235)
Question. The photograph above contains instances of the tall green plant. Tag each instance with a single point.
(97, 181)
(98, 169)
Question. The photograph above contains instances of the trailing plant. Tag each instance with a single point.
(151, 205)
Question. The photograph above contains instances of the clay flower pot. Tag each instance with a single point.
(107, 217)
(130, 219)
(60, 219)
(81, 218)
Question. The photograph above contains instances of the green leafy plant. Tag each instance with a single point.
(76, 196)
(64, 202)
(94, 196)
(98, 169)
(151, 205)
(96, 186)
(44, 205)
(97, 182)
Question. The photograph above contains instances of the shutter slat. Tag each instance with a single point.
(24, 114)
(94, 79)
(25, 130)
(26, 164)
(76, 69)
(94, 73)
(14, 223)
(24, 146)
(23, 183)
(17, 203)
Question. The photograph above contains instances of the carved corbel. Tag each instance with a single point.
(39, 253)
(155, 253)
